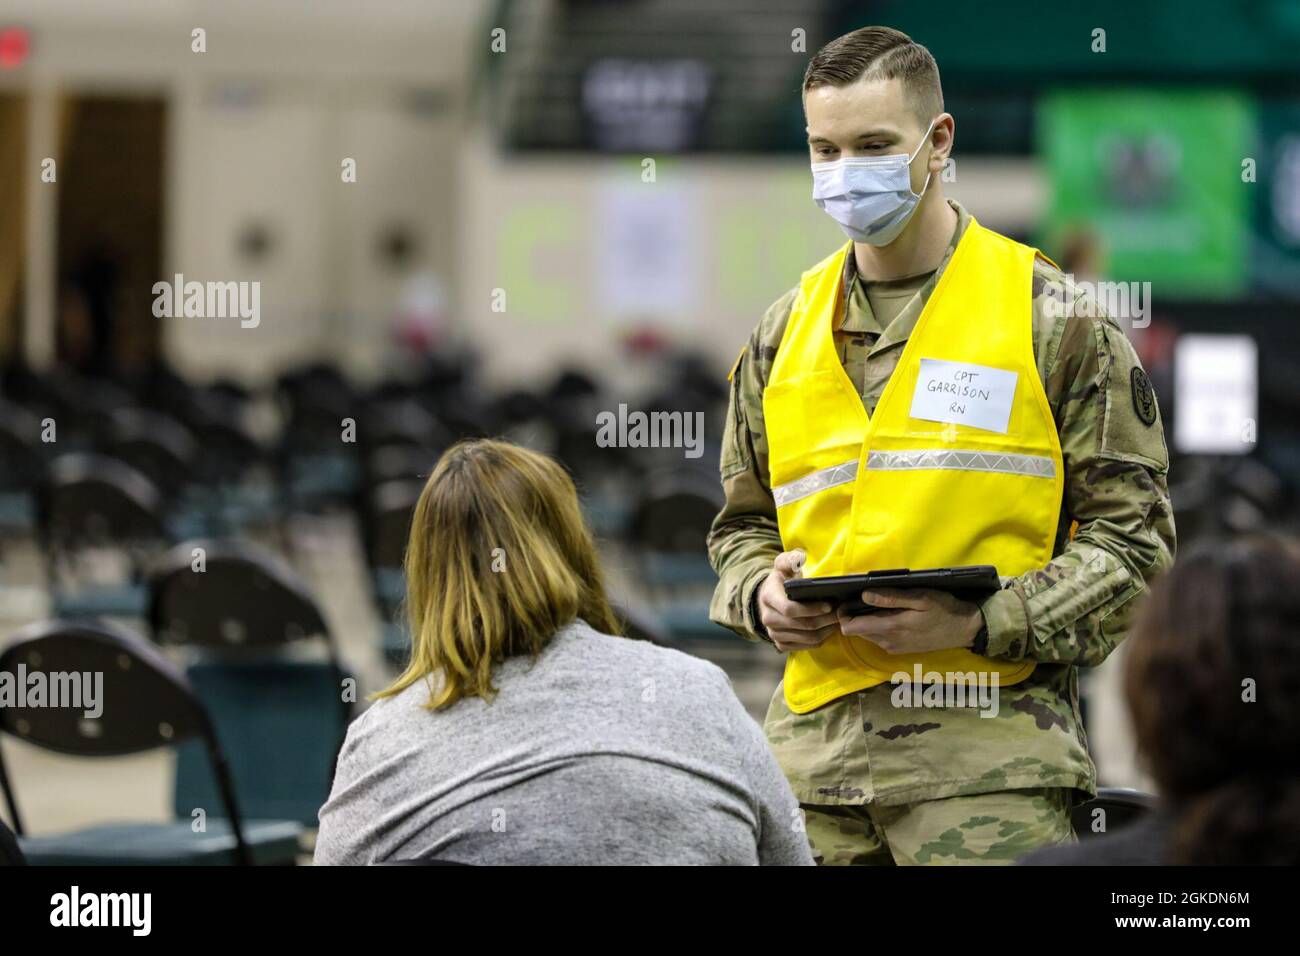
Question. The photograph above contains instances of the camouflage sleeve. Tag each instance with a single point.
(1077, 609)
(745, 539)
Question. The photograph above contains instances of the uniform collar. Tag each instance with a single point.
(858, 314)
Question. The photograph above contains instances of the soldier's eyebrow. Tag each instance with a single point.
(887, 134)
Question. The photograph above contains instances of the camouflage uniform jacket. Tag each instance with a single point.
(1075, 611)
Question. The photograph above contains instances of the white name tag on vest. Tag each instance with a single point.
(976, 395)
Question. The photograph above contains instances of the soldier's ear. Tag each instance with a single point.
(941, 140)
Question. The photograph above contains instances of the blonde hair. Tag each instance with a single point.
(499, 559)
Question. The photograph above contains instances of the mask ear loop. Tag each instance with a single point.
(924, 187)
(916, 152)
(924, 139)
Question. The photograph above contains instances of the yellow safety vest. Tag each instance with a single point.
(861, 493)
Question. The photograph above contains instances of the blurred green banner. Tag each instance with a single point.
(1155, 180)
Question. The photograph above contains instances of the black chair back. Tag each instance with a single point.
(157, 446)
(92, 499)
(1120, 807)
(144, 701)
(22, 453)
(243, 598)
(388, 522)
(402, 422)
(676, 512)
(314, 401)
(11, 853)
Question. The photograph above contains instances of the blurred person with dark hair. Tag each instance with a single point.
(523, 730)
(87, 324)
(1212, 681)
(932, 394)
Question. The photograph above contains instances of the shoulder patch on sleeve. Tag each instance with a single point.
(1144, 397)
(736, 364)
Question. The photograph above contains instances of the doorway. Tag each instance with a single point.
(110, 232)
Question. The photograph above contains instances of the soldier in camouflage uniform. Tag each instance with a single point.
(884, 784)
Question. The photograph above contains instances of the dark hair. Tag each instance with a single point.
(1226, 618)
(879, 53)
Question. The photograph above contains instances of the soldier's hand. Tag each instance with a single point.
(793, 626)
(914, 621)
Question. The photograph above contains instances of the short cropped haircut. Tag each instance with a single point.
(879, 53)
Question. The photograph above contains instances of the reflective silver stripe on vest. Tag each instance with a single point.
(1004, 462)
(818, 481)
(927, 459)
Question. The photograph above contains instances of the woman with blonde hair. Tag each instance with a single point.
(524, 730)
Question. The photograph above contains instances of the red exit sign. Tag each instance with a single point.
(15, 44)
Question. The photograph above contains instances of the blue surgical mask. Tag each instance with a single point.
(869, 196)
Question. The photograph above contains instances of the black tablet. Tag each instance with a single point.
(970, 583)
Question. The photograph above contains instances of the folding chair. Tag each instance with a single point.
(387, 525)
(317, 469)
(88, 503)
(22, 465)
(146, 703)
(281, 718)
(165, 452)
(1120, 807)
(668, 531)
(11, 854)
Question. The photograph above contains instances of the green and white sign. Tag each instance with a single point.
(1156, 179)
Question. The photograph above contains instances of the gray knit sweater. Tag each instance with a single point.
(605, 750)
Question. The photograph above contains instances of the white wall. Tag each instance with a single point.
(258, 125)
(276, 162)
(582, 247)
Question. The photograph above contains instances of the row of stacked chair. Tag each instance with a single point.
(256, 718)
(138, 468)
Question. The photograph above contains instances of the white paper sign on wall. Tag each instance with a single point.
(1216, 393)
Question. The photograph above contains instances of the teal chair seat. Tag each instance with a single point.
(280, 723)
(102, 600)
(322, 477)
(670, 569)
(607, 515)
(271, 843)
(390, 587)
(395, 644)
(17, 510)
